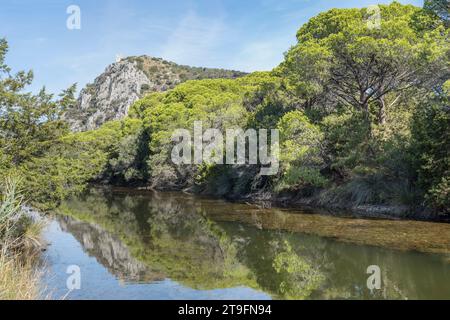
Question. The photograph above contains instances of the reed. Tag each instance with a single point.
(19, 246)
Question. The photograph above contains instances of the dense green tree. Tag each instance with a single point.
(340, 55)
(31, 133)
(129, 156)
(369, 79)
(29, 123)
(219, 104)
(300, 154)
(431, 150)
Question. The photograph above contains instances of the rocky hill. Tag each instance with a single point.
(124, 82)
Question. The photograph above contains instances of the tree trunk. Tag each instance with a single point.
(366, 112)
(365, 108)
(382, 112)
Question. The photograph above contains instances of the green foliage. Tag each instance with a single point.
(339, 56)
(446, 88)
(343, 100)
(16, 228)
(373, 80)
(441, 8)
(28, 123)
(370, 169)
(345, 137)
(362, 113)
(300, 278)
(300, 155)
(216, 103)
(128, 155)
(10, 204)
(35, 142)
(431, 151)
(66, 167)
(31, 130)
(269, 103)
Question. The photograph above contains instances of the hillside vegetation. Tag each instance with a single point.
(112, 93)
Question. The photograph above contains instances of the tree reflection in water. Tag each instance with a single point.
(208, 244)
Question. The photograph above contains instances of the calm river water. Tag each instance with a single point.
(143, 245)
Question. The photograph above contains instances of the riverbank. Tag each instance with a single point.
(20, 247)
(369, 211)
(316, 203)
(20, 273)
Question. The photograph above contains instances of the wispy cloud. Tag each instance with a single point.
(194, 39)
(261, 55)
(246, 35)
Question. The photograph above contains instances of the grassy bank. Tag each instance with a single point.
(19, 246)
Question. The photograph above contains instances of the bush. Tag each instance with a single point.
(301, 152)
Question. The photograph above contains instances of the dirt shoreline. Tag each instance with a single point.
(368, 211)
(269, 200)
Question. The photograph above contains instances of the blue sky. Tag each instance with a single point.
(245, 35)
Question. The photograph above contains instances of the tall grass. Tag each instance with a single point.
(19, 254)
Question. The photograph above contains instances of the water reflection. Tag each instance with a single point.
(207, 244)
